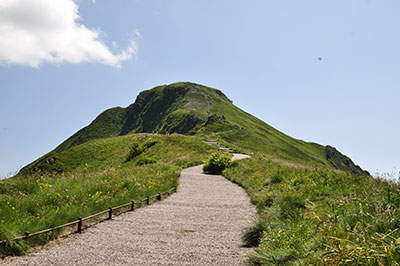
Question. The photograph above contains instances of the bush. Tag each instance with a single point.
(149, 144)
(217, 163)
(135, 150)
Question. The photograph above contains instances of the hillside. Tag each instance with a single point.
(315, 206)
(193, 109)
(90, 177)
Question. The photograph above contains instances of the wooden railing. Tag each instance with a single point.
(110, 210)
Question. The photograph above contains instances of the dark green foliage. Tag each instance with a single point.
(150, 143)
(135, 150)
(152, 106)
(252, 235)
(342, 162)
(217, 163)
(12, 247)
(182, 121)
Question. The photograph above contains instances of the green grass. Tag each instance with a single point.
(244, 132)
(186, 108)
(309, 217)
(316, 207)
(92, 177)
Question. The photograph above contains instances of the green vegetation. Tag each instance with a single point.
(318, 217)
(315, 206)
(193, 109)
(91, 177)
(216, 163)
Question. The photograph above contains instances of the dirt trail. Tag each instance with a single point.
(199, 225)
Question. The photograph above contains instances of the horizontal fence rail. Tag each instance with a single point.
(110, 210)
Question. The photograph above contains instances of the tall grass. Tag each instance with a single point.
(42, 200)
(321, 217)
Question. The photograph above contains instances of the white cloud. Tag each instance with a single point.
(34, 32)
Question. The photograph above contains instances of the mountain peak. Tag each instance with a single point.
(193, 109)
(173, 108)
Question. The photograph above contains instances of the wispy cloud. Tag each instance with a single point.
(137, 34)
(34, 32)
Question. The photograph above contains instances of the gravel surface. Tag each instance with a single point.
(199, 225)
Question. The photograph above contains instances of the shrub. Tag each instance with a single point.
(217, 163)
(150, 143)
(137, 149)
(134, 151)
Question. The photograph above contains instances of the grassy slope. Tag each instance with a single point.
(107, 124)
(285, 193)
(309, 217)
(91, 177)
(187, 108)
(253, 134)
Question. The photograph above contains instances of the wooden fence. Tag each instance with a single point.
(110, 210)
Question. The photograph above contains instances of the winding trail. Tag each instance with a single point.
(199, 225)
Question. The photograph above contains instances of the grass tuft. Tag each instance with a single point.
(251, 235)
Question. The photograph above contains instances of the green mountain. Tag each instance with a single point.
(193, 109)
(315, 206)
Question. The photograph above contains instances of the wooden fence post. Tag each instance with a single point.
(80, 225)
(110, 210)
(109, 213)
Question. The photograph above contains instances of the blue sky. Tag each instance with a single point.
(62, 63)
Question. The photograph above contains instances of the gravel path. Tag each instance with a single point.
(199, 225)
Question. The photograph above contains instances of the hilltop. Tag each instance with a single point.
(315, 206)
(193, 109)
